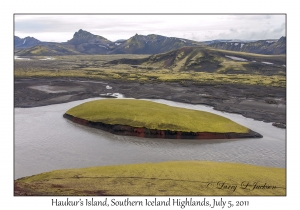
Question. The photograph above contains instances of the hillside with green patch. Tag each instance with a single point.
(185, 178)
(205, 59)
(48, 50)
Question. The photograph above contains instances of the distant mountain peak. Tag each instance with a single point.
(25, 42)
(283, 38)
(82, 36)
(81, 32)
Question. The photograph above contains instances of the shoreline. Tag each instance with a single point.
(261, 103)
(103, 145)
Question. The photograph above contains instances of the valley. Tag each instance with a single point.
(196, 75)
(244, 81)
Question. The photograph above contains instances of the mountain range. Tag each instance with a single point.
(84, 42)
(268, 47)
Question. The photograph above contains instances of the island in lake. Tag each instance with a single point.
(143, 118)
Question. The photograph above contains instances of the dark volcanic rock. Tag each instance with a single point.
(232, 98)
(279, 125)
(25, 42)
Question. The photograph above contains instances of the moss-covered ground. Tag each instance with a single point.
(152, 115)
(185, 178)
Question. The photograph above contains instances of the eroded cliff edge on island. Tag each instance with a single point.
(127, 130)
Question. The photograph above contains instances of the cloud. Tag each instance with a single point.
(280, 29)
(113, 27)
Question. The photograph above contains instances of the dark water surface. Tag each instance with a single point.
(46, 141)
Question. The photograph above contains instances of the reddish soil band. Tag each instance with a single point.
(127, 130)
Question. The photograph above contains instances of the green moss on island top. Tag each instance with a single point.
(152, 115)
(185, 178)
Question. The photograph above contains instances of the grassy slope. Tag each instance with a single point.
(167, 178)
(48, 50)
(215, 54)
(140, 113)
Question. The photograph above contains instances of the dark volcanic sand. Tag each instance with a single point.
(258, 102)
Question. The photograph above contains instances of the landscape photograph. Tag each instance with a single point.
(149, 105)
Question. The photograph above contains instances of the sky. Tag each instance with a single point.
(199, 27)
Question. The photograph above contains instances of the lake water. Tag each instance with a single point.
(46, 141)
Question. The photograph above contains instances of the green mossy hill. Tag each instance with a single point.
(151, 115)
(48, 50)
(185, 178)
(210, 60)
